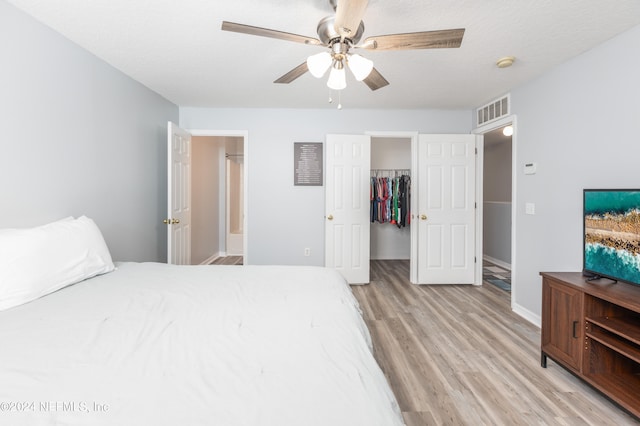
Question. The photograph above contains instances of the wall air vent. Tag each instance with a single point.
(493, 110)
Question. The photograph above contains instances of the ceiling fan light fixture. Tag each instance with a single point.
(360, 66)
(319, 63)
(337, 77)
(343, 31)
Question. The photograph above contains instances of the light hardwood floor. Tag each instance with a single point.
(458, 355)
(228, 260)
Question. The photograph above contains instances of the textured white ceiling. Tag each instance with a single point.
(176, 47)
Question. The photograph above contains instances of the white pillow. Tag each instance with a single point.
(37, 261)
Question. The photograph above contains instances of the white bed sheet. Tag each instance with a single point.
(154, 344)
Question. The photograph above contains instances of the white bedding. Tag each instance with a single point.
(154, 344)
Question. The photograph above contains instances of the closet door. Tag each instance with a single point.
(446, 213)
(347, 206)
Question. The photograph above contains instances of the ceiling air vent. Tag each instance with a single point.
(493, 110)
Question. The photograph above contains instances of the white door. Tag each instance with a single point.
(446, 210)
(348, 159)
(179, 196)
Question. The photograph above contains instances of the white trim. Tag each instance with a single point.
(497, 262)
(205, 132)
(413, 266)
(504, 121)
(479, 210)
(245, 135)
(387, 134)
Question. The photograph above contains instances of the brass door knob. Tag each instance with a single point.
(423, 217)
(330, 217)
(175, 221)
(171, 221)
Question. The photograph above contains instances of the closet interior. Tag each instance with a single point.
(390, 236)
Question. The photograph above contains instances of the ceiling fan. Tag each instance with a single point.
(343, 32)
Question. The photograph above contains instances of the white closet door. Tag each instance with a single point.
(347, 206)
(446, 213)
(179, 196)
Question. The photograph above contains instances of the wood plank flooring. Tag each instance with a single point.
(228, 260)
(458, 355)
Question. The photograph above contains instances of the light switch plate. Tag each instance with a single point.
(530, 168)
(530, 208)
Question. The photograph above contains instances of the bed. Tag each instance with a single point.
(157, 344)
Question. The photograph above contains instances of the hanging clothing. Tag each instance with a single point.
(404, 200)
(390, 200)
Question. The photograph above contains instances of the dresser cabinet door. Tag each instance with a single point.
(562, 327)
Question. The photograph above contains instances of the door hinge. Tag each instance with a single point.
(476, 151)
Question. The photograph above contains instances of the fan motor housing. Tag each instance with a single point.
(327, 32)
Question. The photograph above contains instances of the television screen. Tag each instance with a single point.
(612, 234)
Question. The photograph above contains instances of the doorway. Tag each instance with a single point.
(217, 198)
(383, 156)
(390, 161)
(499, 208)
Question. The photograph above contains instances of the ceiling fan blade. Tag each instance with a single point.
(375, 80)
(293, 74)
(265, 32)
(349, 13)
(419, 40)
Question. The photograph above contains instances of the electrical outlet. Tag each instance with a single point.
(307, 251)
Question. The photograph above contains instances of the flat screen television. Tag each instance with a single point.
(612, 234)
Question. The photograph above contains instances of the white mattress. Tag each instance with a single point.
(154, 344)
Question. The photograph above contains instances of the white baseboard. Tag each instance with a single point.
(527, 314)
(498, 262)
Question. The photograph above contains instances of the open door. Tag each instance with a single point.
(446, 210)
(347, 204)
(179, 196)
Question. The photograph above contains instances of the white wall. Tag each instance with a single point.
(283, 218)
(79, 137)
(580, 124)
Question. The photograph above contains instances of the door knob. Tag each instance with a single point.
(423, 217)
(171, 221)
(330, 217)
(175, 221)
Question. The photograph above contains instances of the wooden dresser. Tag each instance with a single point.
(593, 330)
